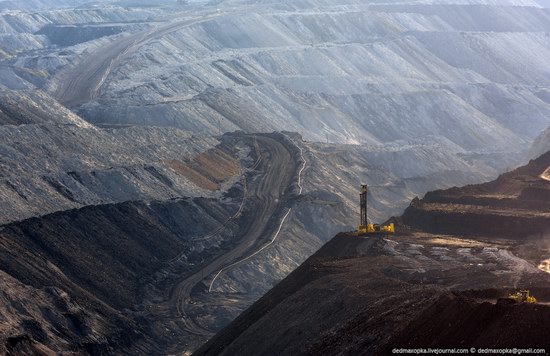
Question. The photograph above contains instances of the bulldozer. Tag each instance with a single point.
(365, 228)
(523, 296)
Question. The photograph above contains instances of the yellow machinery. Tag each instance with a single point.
(523, 296)
(374, 228)
(365, 228)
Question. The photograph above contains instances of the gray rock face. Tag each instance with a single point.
(541, 144)
(34, 107)
(31, 22)
(38, 4)
(53, 160)
(69, 167)
(396, 173)
(470, 74)
(30, 38)
(467, 71)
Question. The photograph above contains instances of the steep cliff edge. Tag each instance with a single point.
(516, 205)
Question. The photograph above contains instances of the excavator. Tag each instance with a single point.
(523, 296)
(364, 227)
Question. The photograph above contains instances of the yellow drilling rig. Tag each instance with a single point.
(370, 229)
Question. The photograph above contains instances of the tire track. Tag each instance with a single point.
(234, 216)
(304, 163)
(276, 169)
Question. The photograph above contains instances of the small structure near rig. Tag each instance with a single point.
(365, 228)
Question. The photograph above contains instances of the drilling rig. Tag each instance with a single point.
(364, 227)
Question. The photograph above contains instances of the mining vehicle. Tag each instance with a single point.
(364, 227)
(523, 296)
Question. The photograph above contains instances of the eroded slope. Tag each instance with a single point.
(516, 205)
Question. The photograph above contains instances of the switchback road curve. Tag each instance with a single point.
(268, 195)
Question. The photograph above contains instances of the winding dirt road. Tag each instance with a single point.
(81, 83)
(267, 196)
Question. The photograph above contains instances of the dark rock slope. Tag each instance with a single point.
(74, 279)
(484, 324)
(516, 205)
(418, 288)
